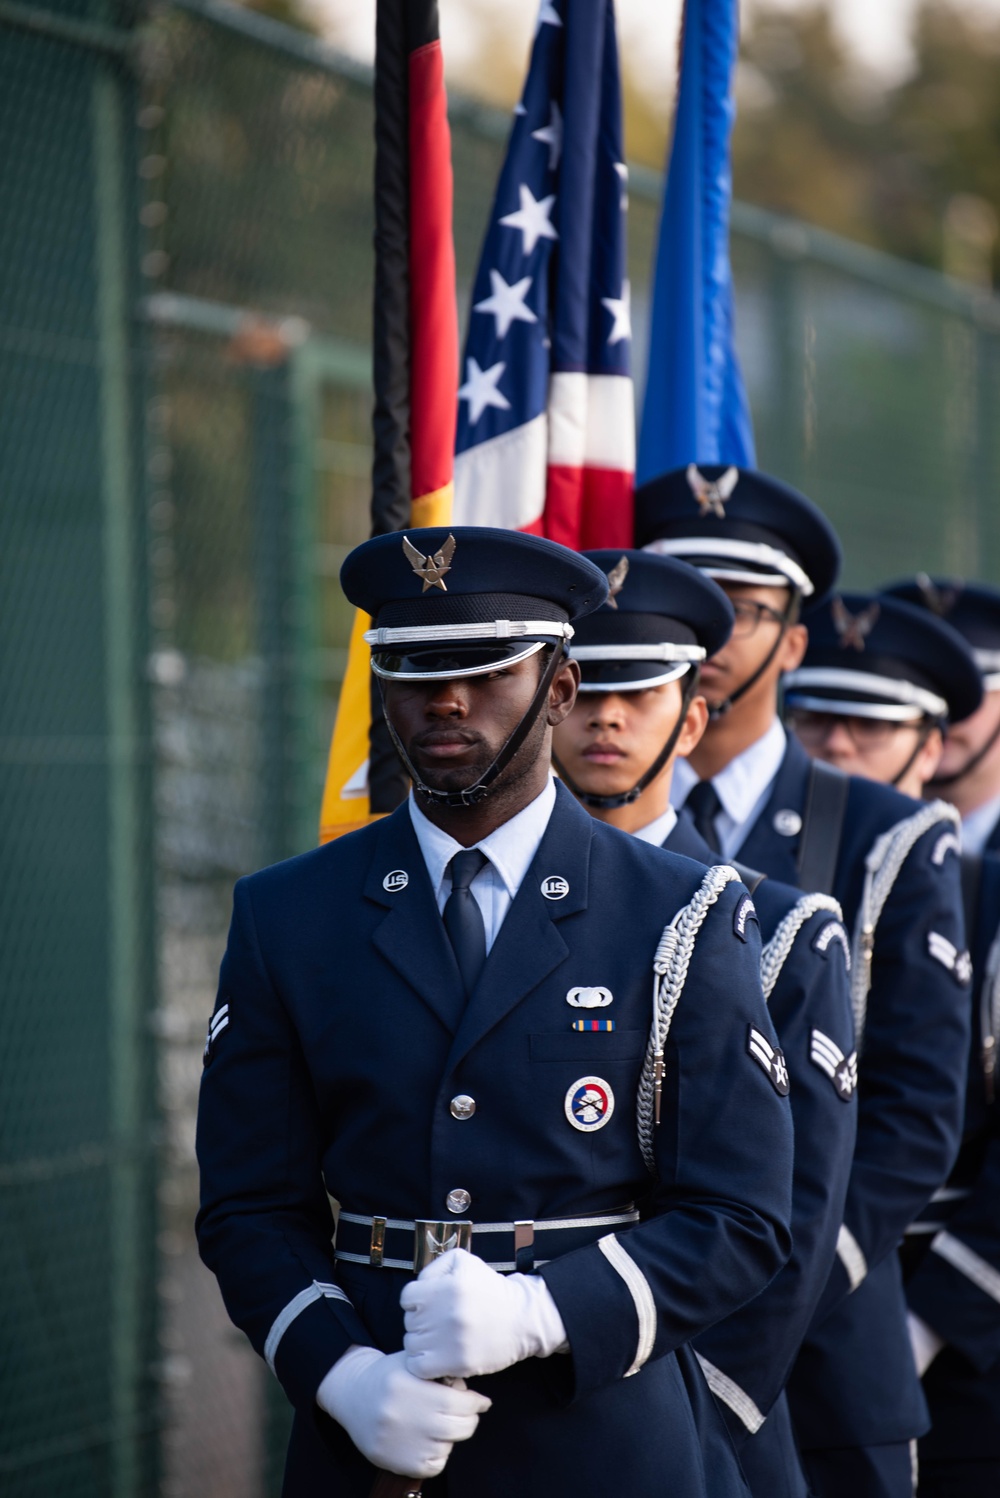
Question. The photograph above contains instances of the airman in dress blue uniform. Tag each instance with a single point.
(491, 1025)
(969, 772)
(951, 1254)
(854, 1394)
(638, 706)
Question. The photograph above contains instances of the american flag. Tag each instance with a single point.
(546, 423)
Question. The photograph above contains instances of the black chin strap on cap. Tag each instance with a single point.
(922, 737)
(478, 792)
(942, 782)
(722, 708)
(608, 803)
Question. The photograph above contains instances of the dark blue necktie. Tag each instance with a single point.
(704, 805)
(463, 920)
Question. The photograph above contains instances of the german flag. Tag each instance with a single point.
(415, 348)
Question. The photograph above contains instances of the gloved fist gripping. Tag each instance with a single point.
(401, 1423)
(463, 1319)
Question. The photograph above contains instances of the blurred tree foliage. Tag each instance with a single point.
(913, 169)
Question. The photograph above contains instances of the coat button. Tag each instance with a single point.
(458, 1201)
(462, 1106)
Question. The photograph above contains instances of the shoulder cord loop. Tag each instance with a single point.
(776, 951)
(882, 868)
(670, 968)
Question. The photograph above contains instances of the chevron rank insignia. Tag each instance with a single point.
(959, 964)
(771, 1060)
(842, 1070)
(216, 1025)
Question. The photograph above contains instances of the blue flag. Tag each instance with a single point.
(695, 408)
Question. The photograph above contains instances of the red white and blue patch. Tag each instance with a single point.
(589, 1104)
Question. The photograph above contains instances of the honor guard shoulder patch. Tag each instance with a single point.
(833, 934)
(948, 842)
(771, 1060)
(959, 964)
(745, 911)
(842, 1070)
(216, 1025)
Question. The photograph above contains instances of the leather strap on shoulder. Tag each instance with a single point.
(822, 826)
(972, 874)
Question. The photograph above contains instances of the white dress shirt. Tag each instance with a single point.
(743, 787)
(978, 825)
(509, 849)
(657, 832)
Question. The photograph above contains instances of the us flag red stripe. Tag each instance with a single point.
(546, 425)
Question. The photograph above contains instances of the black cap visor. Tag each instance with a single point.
(447, 662)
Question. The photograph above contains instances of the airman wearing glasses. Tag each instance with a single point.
(756, 794)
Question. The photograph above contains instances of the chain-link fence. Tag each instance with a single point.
(185, 236)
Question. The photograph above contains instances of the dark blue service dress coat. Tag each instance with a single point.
(750, 1354)
(340, 1037)
(854, 1383)
(951, 1256)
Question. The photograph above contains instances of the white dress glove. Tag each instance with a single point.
(401, 1423)
(925, 1342)
(463, 1319)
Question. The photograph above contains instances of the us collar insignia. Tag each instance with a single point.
(616, 581)
(431, 569)
(853, 629)
(940, 601)
(712, 494)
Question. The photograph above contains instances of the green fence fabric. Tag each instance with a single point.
(185, 235)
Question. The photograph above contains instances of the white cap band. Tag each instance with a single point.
(783, 569)
(900, 692)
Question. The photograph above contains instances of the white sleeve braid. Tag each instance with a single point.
(775, 953)
(882, 868)
(670, 969)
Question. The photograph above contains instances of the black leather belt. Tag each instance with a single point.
(391, 1242)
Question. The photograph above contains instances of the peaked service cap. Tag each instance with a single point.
(462, 600)
(973, 609)
(873, 656)
(661, 618)
(740, 526)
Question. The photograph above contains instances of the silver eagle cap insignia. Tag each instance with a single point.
(712, 494)
(432, 568)
(616, 581)
(853, 629)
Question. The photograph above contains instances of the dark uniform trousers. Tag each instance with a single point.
(749, 1356)
(332, 1070)
(854, 1384)
(951, 1256)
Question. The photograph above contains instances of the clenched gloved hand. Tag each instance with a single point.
(463, 1319)
(401, 1423)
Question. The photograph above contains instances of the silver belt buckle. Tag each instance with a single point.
(432, 1239)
